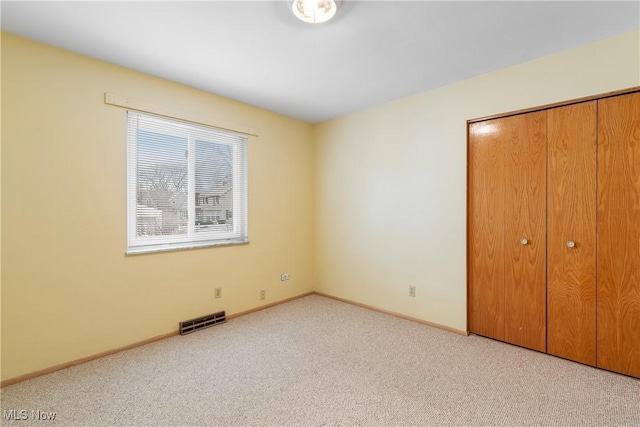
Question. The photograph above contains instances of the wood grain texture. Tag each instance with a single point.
(525, 217)
(556, 104)
(618, 259)
(485, 252)
(571, 215)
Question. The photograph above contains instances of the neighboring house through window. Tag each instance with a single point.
(186, 185)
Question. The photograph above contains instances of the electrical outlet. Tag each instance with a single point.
(284, 277)
(218, 293)
(412, 291)
(263, 294)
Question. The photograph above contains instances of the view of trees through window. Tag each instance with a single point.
(162, 196)
(186, 184)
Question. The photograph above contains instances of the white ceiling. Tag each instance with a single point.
(372, 52)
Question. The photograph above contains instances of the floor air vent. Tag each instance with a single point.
(207, 321)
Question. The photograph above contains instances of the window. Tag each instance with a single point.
(181, 177)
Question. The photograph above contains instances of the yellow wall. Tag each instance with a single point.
(68, 290)
(360, 207)
(390, 181)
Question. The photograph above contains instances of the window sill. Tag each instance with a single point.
(141, 250)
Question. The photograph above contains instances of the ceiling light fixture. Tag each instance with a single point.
(314, 11)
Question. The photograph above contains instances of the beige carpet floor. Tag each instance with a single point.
(315, 362)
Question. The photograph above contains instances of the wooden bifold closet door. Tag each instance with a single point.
(525, 230)
(554, 230)
(618, 297)
(571, 268)
(486, 228)
(507, 220)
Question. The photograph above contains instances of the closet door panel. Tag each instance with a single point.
(486, 222)
(618, 259)
(525, 230)
(571, 228)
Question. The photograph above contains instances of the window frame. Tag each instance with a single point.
(194, 238)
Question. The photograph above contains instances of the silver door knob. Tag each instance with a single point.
(524, 241)
(571, 244)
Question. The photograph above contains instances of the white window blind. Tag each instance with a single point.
(187, 185)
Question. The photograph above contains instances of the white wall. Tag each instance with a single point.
(390, 181)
